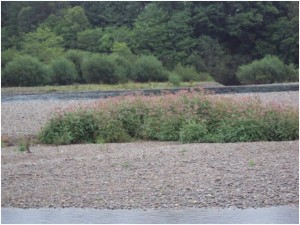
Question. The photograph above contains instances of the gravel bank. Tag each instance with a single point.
(27, 118)
(152, 175)
(145, 174)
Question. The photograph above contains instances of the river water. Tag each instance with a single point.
(83, 95)
(272, 215)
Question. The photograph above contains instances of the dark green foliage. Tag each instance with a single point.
(131, 120)
(89, 39)
(111, 130)
(268, 70)
(169, 128)
(63, 72)
(7, 56)
(25, 71)
(110, 13)
(43, 44)
(106, 43)
(99, 69)
(73, 22)
(211, 57)
(241, 130)
(214, 37)
(76, 57)
(291, 73)
(122, 49)
(280, 126)
(148, 68)
(122, 67)
(193, 131)
(163, 128)
(163, 30)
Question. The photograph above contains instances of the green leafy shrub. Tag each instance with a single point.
(76, 57)
(25, 71)
(184, 116)
(88, 39)
(175, 79)
(193, 131)
(72, 127)
(8, 55)
(121, 48)
(148, 68)
(111, 130)
(241, 130)
(131, 120)
(169, 128)
(268, 70)
(63, 72)
(151, 127)
(56, 132)
(99, 69)
(281, 125)
(203, 76)
(161, 128)
(43, 44)
(22, 147)
(187, 73)
(122, 67)
(211, 57)
(291, 73)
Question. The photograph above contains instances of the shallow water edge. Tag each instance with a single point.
(86, 95)
(271, 215)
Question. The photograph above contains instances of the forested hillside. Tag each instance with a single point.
(112, 42)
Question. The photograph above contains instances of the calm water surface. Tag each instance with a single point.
(283, 214)
(105, 94)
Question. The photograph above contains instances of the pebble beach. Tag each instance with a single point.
(144, 174)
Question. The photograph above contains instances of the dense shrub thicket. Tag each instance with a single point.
(99, 69)
(25, 71)
(7, 56)
(268, 70)
(148, 68)
(185, 117)
(76, 57)
(188, 73)
(63, 72)
(213, 38)
(122, 66)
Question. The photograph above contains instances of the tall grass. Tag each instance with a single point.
(184, 116)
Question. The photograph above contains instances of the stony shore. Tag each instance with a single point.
(145, 174)
(152, 175)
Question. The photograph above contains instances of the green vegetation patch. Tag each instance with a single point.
(145, 41)
(268, 70)
(184, 116)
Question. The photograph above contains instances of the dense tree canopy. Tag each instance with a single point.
(214, 37)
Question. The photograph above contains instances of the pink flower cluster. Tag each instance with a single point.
(186, 103)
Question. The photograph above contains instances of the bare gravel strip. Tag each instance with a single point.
(27, 118)
(152, 175)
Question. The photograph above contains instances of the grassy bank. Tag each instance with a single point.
(101, 87)
(184, 117)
